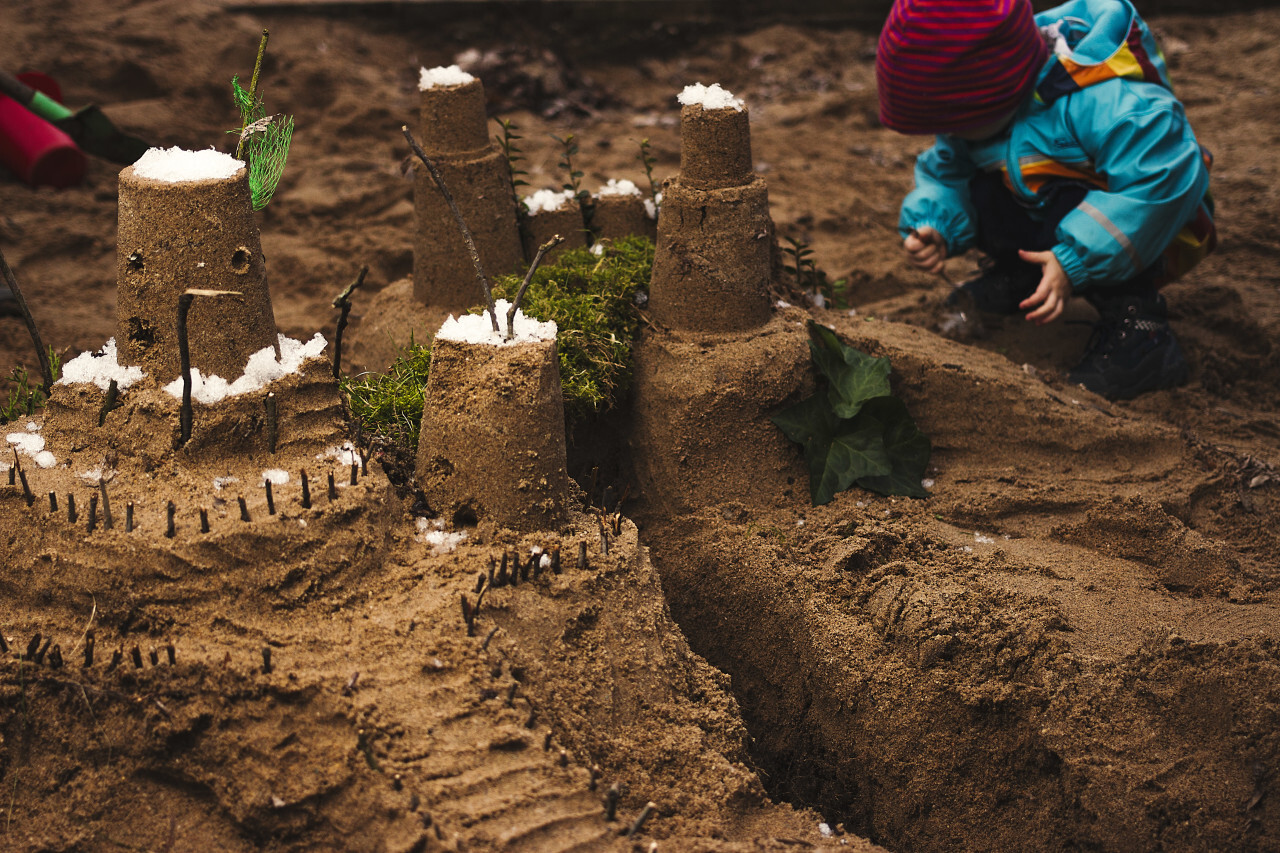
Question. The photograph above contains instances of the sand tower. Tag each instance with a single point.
(454, 133)
(704, 392)
(621, 210)
(493, 442)
(186, 221)
(553, 212)
(713, 260)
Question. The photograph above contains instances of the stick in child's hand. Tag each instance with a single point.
(941, 272)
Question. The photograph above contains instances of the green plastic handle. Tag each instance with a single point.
(38, 102)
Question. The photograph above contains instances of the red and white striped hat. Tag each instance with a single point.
(947, 66)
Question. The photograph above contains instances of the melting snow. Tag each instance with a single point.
(174, 165)
(709, 97)
(100, 368)
(443, 75)
(263, 368)
(433, 533)
(477, 328)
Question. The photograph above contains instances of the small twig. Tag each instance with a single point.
(46, 370)
(184, 359)
(343, 304)
(253, 87)
(528, 277)
(462, 225)
(273, 421)
(109, 401)
(306, 491)
(645, 814)
(107, 521)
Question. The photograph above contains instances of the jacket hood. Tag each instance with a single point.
(1093, 41)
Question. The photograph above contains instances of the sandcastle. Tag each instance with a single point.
(714, 260)
(454, 133)
(713, 265)
(492, 445)
(174, 473)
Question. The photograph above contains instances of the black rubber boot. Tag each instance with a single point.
(1000, 287)
(1132, 350)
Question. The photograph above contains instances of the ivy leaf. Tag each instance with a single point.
(855, 431)
(906, 445)
(837, 451)
(853, 377)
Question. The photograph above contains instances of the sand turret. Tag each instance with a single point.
(714, 252)
(492, 445)
(186, 221)
(453, 130)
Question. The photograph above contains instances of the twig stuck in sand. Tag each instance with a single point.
(462, 225)
(528, 277)
(343, 303)
(46, 369)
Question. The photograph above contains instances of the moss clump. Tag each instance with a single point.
(388, 406)
(591, 298)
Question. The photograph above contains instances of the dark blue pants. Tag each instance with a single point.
(1004, 226)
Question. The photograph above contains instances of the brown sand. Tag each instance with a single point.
(1071, 645)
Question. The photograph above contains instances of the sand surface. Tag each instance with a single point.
(1072, 645)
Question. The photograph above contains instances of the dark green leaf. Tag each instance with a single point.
(853, 376)
(837, 452)
(907, 447)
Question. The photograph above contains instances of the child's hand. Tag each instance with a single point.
(1053, 292)
(926, 250)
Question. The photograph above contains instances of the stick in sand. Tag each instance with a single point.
(462, 225)
(46, 370)
(528, 277)
(343, 303)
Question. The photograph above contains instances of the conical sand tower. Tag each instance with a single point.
(453, 131)
(166, 245)
(713, 260)
(492, 447)
(711, 276)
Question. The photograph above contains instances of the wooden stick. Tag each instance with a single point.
(343, 304)
(462, 225)
(528, 277)
(46, 369)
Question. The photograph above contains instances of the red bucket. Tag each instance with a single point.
(30, 147)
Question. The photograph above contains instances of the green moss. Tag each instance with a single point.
(591, 298)
(592, 301)
(388, 406)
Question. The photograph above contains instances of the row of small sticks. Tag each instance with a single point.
(42, 648)
(108, 521)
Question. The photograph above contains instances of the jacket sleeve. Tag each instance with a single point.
(940, 199)
(1139, 138)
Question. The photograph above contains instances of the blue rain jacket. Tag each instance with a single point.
(1103, 113)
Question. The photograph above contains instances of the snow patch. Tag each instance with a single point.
(443, 75)
(477, 328)
(263, 368)
(711, 97)
(100, 368)
(618, 187)
(548, 201)
(176, 165)
(433, 532)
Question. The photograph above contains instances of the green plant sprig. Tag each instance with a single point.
(263, 139)
(855, 432)
(569, 150)
(649, 161)
(515, 157)
(808, 277)
(26, 397)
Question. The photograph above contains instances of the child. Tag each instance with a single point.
(1063, 155)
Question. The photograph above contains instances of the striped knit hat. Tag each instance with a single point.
(947, 66)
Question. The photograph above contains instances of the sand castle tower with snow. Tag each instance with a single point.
(186, 222)
(713, 260)
(453, 130)
(160, 483)
(704, 390)
(492, 447)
